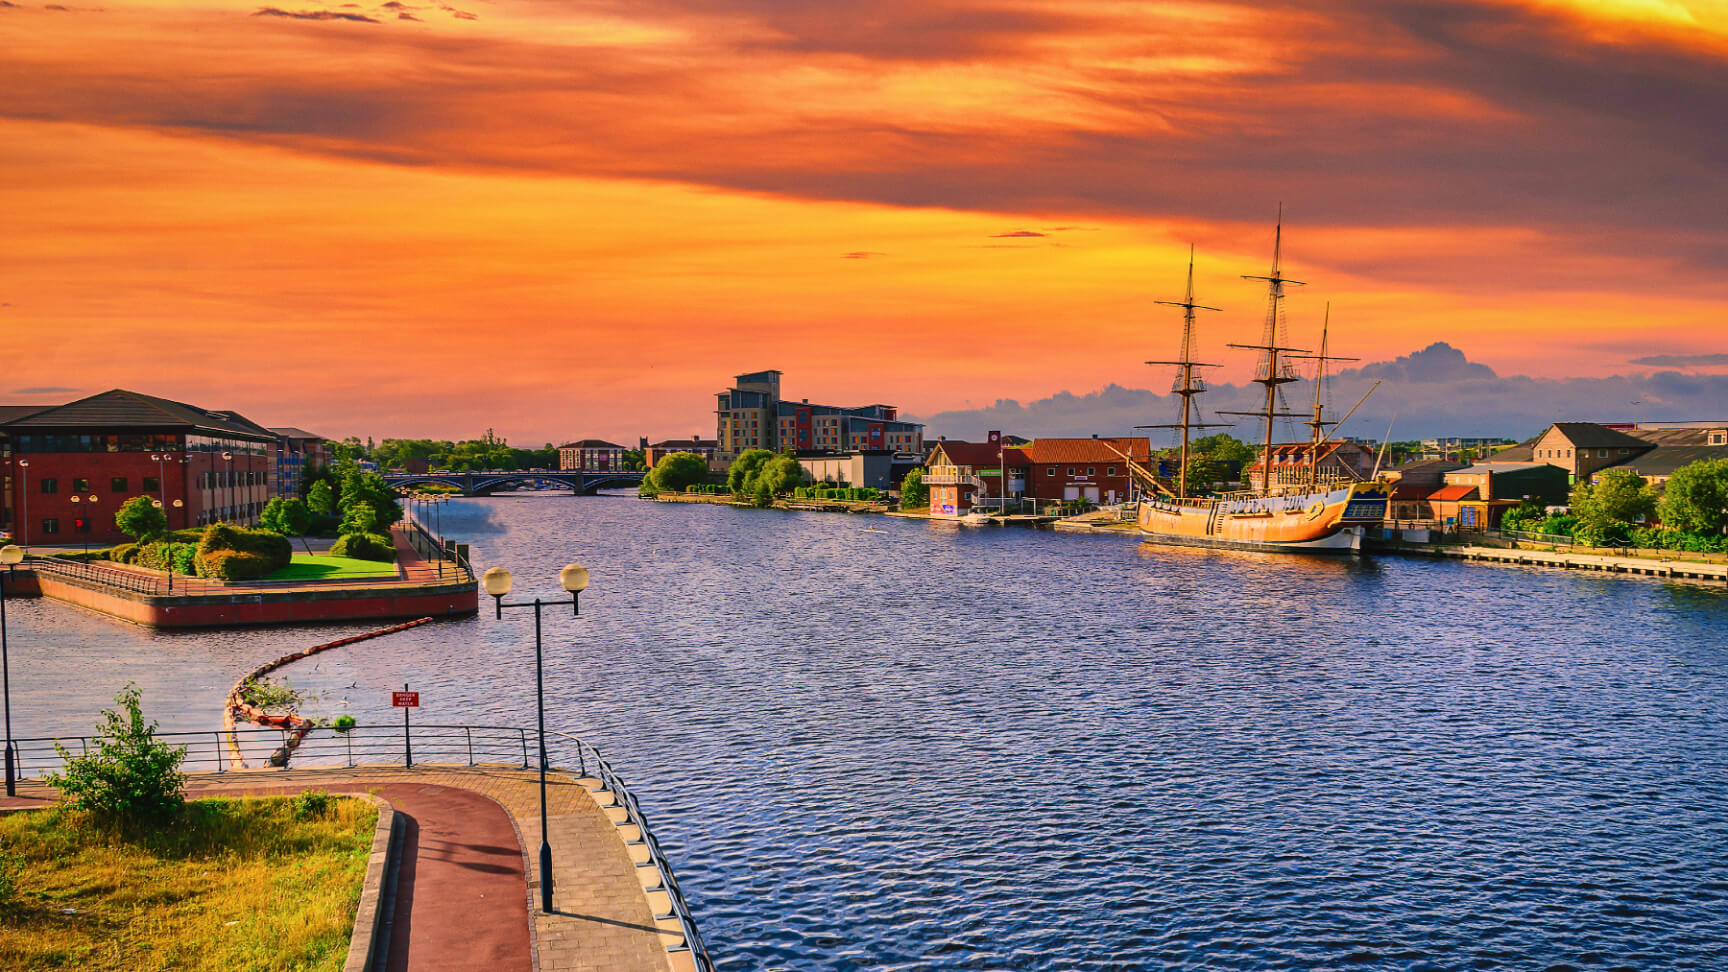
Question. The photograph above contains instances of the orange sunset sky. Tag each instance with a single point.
(562, 218)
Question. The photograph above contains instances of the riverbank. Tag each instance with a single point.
(1646, 566)
(417, 588)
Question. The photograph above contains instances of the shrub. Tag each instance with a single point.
(232, 565)
(123, 553)
(235, 553)
(130, 777)
(342, 723)
(365, 546)
(312, 803)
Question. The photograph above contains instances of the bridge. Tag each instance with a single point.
(580, 482)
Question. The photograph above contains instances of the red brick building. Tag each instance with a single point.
(73, 465)
(962, 475)
(1091, 469)
(705, 448)
(596, 455)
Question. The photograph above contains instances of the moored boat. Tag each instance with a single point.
(1313, 506)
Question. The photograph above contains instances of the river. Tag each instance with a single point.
(934, 747)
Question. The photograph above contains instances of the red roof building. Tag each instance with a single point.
(1091, 469)
(962, 475)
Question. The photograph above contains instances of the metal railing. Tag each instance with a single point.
(184, 585)
(633, 810)
(437, 550)
(208, 750)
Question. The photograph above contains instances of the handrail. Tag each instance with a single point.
(633, 812)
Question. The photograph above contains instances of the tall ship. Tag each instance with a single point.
(1309, 501)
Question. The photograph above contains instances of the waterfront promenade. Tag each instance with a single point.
(465, 892)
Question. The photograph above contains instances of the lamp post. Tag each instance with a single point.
(24, 501)
(574, 579)
(162, 458)
(228, 507)
(76, 499)
(10, 556)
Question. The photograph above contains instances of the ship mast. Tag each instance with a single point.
(1273, 371)
(1188, 384)
(1317, 423)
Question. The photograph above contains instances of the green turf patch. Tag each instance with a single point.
(326, 567)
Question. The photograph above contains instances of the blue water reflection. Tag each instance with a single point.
(942, 748)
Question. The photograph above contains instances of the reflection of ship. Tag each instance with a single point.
(1312, 505)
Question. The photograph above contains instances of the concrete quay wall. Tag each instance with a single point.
(253, 607)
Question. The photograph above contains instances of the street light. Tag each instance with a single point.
(228, 457)
(162, 481)
(573, 578)
(24, 499)
(10, 556)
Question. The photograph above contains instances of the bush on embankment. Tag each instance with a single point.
(236, 553)
(365, 546)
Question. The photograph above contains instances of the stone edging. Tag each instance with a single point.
(364, 943)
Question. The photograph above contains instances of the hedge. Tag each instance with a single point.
(163, 555)
(236, 553)
(365, 546)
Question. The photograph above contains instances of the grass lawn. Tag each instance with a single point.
(234, 884)
(325, 567)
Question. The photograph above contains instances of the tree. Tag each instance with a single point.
(1222, 447)
(289, 517)
(319, 497)
(633, 459)
(744, 468)
(358, 517)
(130, 776)
(1204, 472)
(271, 517)
(780, 474)
(1696, 498)
(913, 493)
(1526, 516)
(141, 519)
(1607, 509)
(675, 471)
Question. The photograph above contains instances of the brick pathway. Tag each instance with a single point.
(602, 921)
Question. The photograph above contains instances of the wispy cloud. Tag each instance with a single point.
(44, 390)
(314, 15)
(861, 255)
(1681, 360)
(1016, 233)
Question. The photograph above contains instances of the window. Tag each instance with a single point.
(1091, 469)
(1070, 470)
(50, 485)
(50, 525)
(80, 485)
(1050, 471)
(1622, 451)
(1111, 470)
(152, 484)
(117, 484)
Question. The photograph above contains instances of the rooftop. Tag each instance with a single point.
(1453, 494)
(121, 409)
(591, 444)
(979, 454)
(1589, 435)
(1089, 450)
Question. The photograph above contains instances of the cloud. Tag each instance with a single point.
(44, 390)
(1682, 360)
(313, 15)
(1437, 362)
(405, 15)
(1415, 406)
(861, 255)
(1016, 233)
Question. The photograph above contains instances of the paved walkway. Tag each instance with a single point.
(463, 888)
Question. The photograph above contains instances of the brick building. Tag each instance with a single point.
(1091, 469)
(72, 466)
(752, 415)
(297, 450)
(593, 455)
(652, 452)
(962, 475)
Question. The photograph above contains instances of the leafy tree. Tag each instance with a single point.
(295, 517)
(743, 469)
(271, 517)
(675, 471)
(780, 474)
(1696, 498)
(319, 498)
(129, 777)
(1607, 508)
(358, 517)
(1526, 516)
(634, 459)
(141, 519)
(913, 493)
(1204, 472)
(1222, 447)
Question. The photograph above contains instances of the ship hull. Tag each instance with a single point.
(1323, 521)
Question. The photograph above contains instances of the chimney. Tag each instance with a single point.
(1094, 435)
